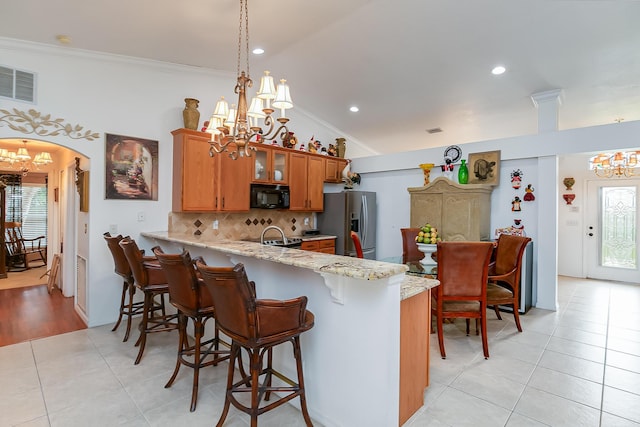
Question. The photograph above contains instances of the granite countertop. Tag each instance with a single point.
(322, 263)
(311, 238)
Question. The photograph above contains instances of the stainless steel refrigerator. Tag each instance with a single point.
(346, 211)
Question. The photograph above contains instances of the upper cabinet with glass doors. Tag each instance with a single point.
(270, 164)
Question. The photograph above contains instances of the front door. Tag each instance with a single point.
(612, 230)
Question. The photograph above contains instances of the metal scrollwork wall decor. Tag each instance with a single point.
(35, 122)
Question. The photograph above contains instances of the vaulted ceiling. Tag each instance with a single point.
(409, 65)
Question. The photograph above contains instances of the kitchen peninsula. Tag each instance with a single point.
(366, 359)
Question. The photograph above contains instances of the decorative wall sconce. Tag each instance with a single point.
(568, 183)
(568, 198)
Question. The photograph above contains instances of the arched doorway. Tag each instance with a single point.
(62, 205)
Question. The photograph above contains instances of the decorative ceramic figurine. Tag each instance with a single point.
(515, 204)
(528, 194)
(516, 178)
(349, 177)
(289, 140)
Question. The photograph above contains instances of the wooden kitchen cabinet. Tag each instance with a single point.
(270, 164)
(333, 169)
(306, 178)
(202, 183)
(458, 211)
(326, 246)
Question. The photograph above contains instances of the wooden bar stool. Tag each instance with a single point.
(150, 279)
(257, 326)
(128, 308)
(189, 295)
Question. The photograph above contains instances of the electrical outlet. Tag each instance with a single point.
(141, 216)
(113, 229)
(306, 221)
(215, 224)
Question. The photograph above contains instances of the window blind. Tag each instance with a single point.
(34, 210)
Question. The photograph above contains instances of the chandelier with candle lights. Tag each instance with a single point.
(232, 128)
(22, 161)
(618, 164)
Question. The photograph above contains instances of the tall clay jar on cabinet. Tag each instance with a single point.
(190, 114)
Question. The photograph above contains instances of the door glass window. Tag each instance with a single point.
(619, 210)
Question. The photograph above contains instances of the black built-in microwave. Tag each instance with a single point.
(269, 196)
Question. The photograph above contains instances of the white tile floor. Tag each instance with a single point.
(579, 366)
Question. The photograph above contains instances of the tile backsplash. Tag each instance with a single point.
(239, 226)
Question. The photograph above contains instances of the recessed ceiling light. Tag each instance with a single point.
(498, 70)
(354, 109)
(63, 39)
(258, 51)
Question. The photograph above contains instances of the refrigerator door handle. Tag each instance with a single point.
(365, 221)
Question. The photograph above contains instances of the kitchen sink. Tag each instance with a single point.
(292, 242)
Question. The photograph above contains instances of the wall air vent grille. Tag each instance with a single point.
(16, 84)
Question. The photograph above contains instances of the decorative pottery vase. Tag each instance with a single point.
(568, 182)
(568, 198)
(190, 114)
(463, 173)
(426, 170)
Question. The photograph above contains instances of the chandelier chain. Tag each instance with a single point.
(244, 13)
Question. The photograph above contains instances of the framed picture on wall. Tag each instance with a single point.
(131, 168)
(484, 168)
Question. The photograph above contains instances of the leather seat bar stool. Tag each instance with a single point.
(257, 326)
(151, 280)
(189, 295)
(128, 308)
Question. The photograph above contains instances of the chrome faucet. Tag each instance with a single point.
(273, 227)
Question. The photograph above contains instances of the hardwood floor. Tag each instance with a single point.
(31, 312)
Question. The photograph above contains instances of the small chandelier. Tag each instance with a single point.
(618, 164)
(22, 158)
(233, 128)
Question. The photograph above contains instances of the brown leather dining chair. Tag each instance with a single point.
(257, 326)
(151, 280)
(188, 294)
(410, 250)
(504, 275)
(462, 271)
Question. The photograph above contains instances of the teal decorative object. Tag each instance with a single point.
(463, 173)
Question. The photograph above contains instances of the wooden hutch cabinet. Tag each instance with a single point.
(458, 211)
(306, 178)
(202, 183)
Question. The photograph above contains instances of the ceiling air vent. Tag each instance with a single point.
(16, 84)
(434, 130)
